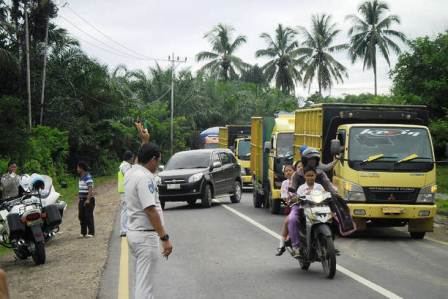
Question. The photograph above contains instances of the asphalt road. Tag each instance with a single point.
(229, 253)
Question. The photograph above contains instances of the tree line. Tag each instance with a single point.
(90, 108)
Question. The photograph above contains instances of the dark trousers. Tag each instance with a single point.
(85, 215)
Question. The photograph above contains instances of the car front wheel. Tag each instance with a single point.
(206, 200)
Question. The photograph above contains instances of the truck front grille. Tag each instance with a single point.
(392, 195)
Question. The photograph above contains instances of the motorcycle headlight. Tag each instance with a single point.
(427, 194)
(354, 192)
(195, 177)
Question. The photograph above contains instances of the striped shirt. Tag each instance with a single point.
(84, 183)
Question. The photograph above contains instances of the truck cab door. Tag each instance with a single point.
(338, 171)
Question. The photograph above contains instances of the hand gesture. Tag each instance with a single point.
(142, 132)
(167, 248)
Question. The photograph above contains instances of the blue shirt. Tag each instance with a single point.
(85, 182)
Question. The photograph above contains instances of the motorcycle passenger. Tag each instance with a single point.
(293, 218)
(311, 157)
(10, 182)
(286, 196)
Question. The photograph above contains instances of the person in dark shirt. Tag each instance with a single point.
(86, 203)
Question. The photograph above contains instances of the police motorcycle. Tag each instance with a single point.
(25, 221)
(315, 232)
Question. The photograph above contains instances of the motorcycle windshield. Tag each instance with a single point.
(47, 187)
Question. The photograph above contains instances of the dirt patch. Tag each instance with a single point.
(74, 265)
(440, 228)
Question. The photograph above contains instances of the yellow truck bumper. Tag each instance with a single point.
(247, 179)
(389, 211)
(420, 218)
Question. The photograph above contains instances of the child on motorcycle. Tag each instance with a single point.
(310, 185)
(286, 196)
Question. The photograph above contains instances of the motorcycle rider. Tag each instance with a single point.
(303, 190)
(10, 182)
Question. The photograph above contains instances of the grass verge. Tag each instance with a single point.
(442, 206)
(442, 179)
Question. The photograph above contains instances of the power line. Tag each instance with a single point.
(111, 39)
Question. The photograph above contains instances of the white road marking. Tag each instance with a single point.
(358, 278)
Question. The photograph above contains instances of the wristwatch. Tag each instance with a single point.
(165, 237)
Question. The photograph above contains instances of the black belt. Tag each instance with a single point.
(143, 230)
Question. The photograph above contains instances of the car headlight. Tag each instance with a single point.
(427, 194)
(195, 177)
(354, 192)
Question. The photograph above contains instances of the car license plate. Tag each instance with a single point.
(321, 210)
(173, 186)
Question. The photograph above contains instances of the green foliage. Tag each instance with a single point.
(422, 73)
(442, 179)
(439, 132)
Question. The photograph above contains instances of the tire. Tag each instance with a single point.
(192, 203)
(417, 235)
(162, 204)
(328, 255)
(237, 192)
(256, 199)
(274, 205)
(304, 265)
(39, 253)
(206, 200)
(21, 253)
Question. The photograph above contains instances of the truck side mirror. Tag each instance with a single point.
(267, 147)
(335, 147)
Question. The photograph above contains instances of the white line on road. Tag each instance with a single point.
(358, 278)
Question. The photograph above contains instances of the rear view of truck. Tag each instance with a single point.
(386, 171)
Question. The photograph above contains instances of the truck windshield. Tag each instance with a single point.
(189, 160)
(285, 144)
(390, 145)
(243, 149)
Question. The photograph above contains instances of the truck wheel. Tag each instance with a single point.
(237, 191)
(417, 235)
(274, 205)
(256, 199)
(39, 253)
(206, 200)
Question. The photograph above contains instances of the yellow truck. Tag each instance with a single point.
(386, 171)
(271, 149)
(237, 138)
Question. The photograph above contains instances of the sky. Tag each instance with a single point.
(121, 32)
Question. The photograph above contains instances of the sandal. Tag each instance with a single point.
(280, 251)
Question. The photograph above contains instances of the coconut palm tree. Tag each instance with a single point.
(316, 53)
(283, 63)
(371, 32)
(222, 61)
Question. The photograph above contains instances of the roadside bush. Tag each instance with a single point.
(439, 132)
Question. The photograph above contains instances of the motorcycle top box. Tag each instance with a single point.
(53, 216)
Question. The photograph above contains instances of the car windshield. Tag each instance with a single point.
(285, 144)
(389, 144)
(243, 148)
(189, 160)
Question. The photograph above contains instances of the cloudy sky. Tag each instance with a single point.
(157, 28)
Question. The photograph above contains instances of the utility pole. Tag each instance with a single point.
(28, 75)
(44, 72)
(173, 66)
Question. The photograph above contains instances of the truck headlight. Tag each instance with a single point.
(195, 177)
(427, 194)
(354, 192)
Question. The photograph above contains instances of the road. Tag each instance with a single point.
(227, 251)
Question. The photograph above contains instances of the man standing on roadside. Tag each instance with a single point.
(86, 203)
(145, 223)
(128, 159)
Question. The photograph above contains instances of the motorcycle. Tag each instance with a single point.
(316, 234)
(27, 221)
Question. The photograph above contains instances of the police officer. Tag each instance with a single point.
(128, 159)
(145, 219)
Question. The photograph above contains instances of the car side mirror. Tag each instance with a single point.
(267, 146)
(216, 164)
(336, 147)
(161, 168)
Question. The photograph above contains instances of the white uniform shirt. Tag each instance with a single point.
(141, 192)
(304, 189)
(124, 167)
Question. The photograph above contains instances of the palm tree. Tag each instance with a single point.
(222, 61)
(283, 61)
(372, 31)
(316, 53)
